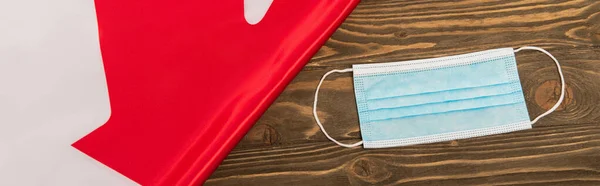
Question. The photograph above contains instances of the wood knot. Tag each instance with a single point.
(454, 143)
(270, 135)
(369, 170)
(400, 34)
(265, 134)
(548, 93)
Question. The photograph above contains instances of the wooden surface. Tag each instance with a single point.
(286, 147)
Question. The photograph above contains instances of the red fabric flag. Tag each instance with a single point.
(187, 79)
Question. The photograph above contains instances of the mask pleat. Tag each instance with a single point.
(395, 84)
(444, 122)
(445, 106)
(443, 96)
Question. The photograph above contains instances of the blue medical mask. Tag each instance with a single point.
(439, 99)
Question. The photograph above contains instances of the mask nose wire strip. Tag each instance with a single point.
(317, 117)
(562, 80)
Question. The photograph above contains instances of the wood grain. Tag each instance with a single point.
(287, 147)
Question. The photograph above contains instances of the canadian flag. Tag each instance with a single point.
(185, 81)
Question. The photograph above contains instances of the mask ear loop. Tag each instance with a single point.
(315, 109)
(562, 81)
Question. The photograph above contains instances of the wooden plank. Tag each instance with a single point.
(286, 146)
(547, 155)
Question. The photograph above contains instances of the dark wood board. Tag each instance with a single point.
(286, 147)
